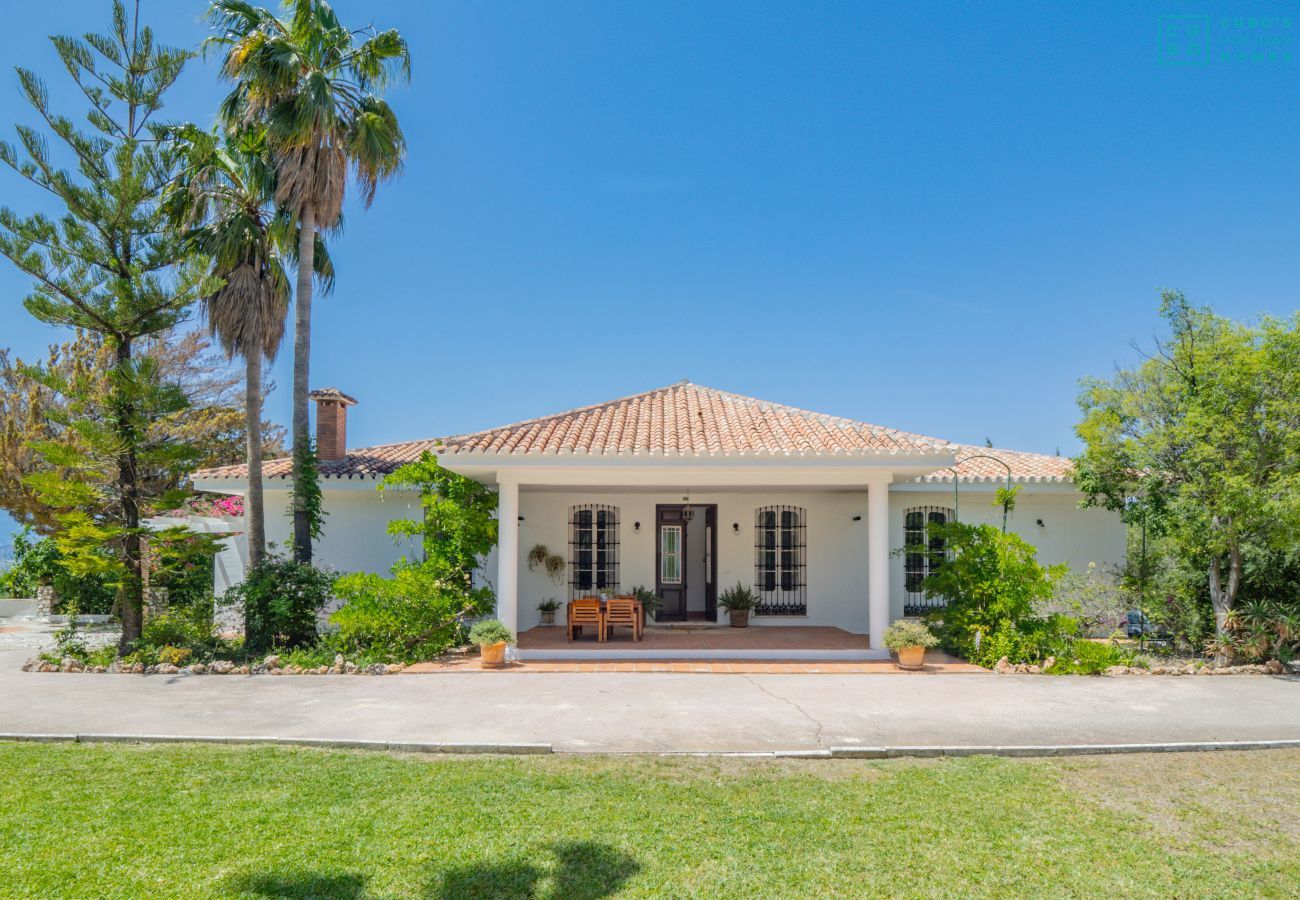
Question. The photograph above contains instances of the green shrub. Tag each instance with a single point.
(181, 626)
(280, 600)
(490, 631)
(176, 656)
(410, 617)
(908, 633)
(1084, 657)
(991, 583)
(39, 561)
(320, 654)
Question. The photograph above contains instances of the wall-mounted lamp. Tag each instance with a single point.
(857, 518)
(521, 518)
(735, 526)
(636, 526)
(1040, 524)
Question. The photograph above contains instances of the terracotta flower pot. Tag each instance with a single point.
(494, 655)
(912, 658)
(739, 618)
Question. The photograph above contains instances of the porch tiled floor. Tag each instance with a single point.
(756, 637)
(729, 643)
(936, 664)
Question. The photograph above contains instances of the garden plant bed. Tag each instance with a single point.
(271, 665)
(1198, 667)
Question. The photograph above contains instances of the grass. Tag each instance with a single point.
(195, 820)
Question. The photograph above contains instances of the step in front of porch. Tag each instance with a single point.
(768, 642)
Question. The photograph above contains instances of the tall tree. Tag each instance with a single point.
(224, 199)
(213, 420)
(1202, 441)
(109, 265)
(315, 85)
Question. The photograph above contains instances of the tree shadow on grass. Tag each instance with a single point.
(583, 870)
(299, 886)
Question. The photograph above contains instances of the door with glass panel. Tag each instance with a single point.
(670, 562)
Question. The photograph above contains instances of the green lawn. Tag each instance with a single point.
(184, 821)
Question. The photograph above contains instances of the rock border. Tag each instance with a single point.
(269, 666)
(1273, 667)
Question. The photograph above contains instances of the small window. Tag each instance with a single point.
(923, 554)
(780, 561)
(593, 549)
(670, 554)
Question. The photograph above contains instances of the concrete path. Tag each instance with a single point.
(660, 712)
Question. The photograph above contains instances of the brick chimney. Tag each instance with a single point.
(331, 422)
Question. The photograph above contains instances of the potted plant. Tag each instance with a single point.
(650, 602)
(492, 636)
(547, 608)
(909, 639)
(738, 601)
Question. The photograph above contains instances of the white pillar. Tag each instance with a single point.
(877, 561)
(508, 554)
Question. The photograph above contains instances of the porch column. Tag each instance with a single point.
(508, 554)
(878, 561)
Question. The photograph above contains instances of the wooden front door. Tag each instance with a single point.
(675, 567)
(670, 562)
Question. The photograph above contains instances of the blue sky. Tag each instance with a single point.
(933, 216)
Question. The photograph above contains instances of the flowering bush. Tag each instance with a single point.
(226, 506)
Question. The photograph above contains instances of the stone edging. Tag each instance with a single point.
(270, 666)
(1272, 667)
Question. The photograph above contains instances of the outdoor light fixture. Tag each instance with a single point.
(735, 526)
(521, 518)
(687, 513)
(857, 518)
(636, 526)
(1040, 524)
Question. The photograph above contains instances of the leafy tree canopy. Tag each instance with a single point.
(1201, 441)
(213, 420)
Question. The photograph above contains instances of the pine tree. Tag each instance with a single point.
(107, 264)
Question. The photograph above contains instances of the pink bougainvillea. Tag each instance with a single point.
(209, 506)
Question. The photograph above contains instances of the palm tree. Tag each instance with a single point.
(223, 198)
(315, 86)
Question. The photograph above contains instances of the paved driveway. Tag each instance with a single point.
(660, 712)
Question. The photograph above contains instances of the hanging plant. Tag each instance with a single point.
(552, 563)
(555, 566)
(537, 556)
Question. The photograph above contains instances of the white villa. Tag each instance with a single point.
(687, 489)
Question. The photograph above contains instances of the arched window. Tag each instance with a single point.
(593, 549)
(780, 561)
(923, 553)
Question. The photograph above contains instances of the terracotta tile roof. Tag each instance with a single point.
(679, 420)
(1025, 467)
(367, 462)
(690, 420)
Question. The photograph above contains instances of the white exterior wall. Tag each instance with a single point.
(837, 547)
(1068, 535)
(355, 536)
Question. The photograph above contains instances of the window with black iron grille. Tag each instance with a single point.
(593, 549)
(780, 561)
(923, 554)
